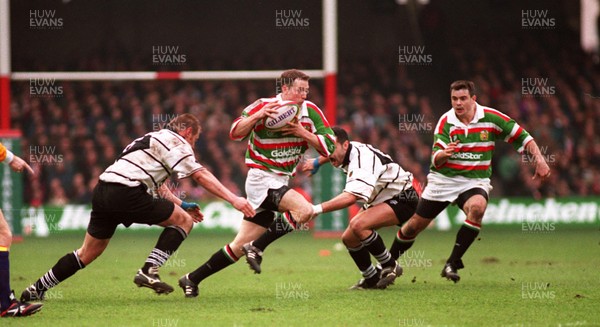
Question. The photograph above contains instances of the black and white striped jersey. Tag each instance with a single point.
(370, 171)
(151, 159)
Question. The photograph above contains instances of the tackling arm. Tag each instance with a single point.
(207, 180)
(165, 193)
(343, 200)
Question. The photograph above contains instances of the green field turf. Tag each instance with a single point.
(511, 278)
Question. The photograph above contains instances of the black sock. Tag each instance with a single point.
(464, 238)
(282, 225)
(66, 266)
(361, 257)
(374, 244)
(168, 242)
(220, 260)
(401, 244)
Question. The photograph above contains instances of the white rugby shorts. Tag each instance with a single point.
(258, 183)
(442, 188)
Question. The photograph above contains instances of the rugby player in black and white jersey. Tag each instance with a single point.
(389, 199)
(131, 190)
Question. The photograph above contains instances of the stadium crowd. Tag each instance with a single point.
(69, 138)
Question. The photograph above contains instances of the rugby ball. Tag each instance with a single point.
(286, 112)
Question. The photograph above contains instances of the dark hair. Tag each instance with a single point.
(463, 84)
(181, 122)
(340, 134)
(289, 76)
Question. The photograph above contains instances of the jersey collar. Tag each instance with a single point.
(479, 113)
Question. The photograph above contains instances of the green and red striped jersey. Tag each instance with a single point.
(477, 141)
(273, 151)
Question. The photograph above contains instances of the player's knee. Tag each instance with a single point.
(476, 212)
(183, 219)
(357, 226)
(408, 231)
(349, 239)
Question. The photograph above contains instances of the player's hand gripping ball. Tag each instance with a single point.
(287, 111)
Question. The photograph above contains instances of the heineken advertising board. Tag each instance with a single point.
(506, 212)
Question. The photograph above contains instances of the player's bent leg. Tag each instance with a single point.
(475, 208)
(249, 232)
(296, 210)
(177, 228)
(221, 259)
(349, 238)
(473, 202)
(374, 218)
(300, 209)
(253, 250)
(282, 199)
(180, 218)
(66, 267)
(363, 226)
(415, 225)
(362, 259)
(425, 212)
(91, 249)
(405, 238)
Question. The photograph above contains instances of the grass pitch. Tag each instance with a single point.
(511, 278)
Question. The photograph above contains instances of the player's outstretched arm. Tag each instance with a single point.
(193, 209)
(343, 200)
(541, 167)
(207, 180)
(165, 193)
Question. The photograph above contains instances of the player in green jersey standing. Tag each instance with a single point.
(272, 157)
(460, 171)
